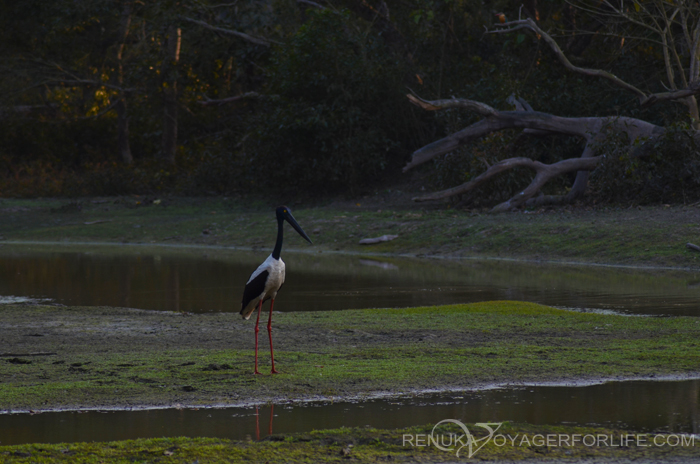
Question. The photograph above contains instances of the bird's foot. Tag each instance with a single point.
(257, 372)
(274, 371)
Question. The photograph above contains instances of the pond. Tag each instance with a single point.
(641, 406)
(211, 279)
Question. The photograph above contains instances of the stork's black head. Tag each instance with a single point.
(284, 213)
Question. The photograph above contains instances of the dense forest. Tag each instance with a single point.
(198, 97)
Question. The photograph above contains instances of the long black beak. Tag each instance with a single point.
(290, 219)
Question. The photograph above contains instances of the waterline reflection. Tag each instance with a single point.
(640, 406)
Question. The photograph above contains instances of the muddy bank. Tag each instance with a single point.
(101, 357)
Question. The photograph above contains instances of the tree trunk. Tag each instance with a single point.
(123, 147)
(692, 104)
(170, 95)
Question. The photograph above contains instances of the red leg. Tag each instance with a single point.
(257, 329)
(257, 424)
(269, 332)
(272, 408)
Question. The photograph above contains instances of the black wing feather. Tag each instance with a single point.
(254, 289)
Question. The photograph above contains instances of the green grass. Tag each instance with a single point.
(650, 236)
(333, 354)
(519, 442)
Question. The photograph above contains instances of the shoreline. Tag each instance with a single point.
(371, 396)
(186, 247)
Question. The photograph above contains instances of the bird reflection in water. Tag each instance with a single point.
(257, 422)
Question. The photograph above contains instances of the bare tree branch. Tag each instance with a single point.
(692, 88)
(475, 106)
(694, 72)
(223, 5)
(313, 4)
(241, 35)
(28, 110)
(592, 129)
(74, 82)
(224, 101)
(673, 25)
(89, 82)
(530, 24)
(545, 172)
(123, 143)
(522, 105)
(499, 120)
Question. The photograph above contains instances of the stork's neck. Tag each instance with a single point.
(278, 245)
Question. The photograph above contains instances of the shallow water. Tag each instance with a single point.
(202, 280)
(640, 406)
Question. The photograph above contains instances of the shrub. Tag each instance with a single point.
(668, 171)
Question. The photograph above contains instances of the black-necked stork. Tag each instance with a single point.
(266, 280)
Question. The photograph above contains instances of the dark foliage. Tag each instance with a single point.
(331, 115)
(666, 172)
(339, 117)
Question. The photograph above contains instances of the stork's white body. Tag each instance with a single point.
(275, 279)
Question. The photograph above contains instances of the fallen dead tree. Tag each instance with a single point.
(597, 132)
(594, 130)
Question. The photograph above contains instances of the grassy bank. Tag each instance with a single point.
(520, 442)
(650, 236)
(107, 357)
